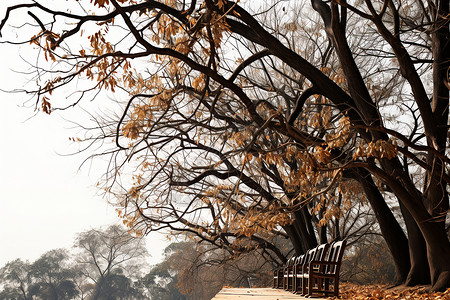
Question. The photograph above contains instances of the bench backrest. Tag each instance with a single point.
(335, 255)
(317, 253)
(310, 255)
(291, 261)
(300, 259)
(321, 252)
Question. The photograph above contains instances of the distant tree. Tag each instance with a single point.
(109, 258)
(107, 265)
(191, 271)
(15, 281)
(50, 277)
(53, 276)
(162, 282)
(119, 287)
(207, 269)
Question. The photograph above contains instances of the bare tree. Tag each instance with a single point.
(104, 255)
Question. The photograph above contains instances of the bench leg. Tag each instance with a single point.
(336, 287)
(303, 286)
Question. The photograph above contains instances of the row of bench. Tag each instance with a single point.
(316, 271)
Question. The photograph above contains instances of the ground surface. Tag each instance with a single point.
(256, 293)
(347, 291)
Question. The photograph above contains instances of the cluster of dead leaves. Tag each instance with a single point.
(374, 292)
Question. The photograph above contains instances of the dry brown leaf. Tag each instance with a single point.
(378, 292)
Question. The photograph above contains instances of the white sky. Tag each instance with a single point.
(44, 198)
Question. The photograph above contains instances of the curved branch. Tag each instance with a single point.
(300, 102)
(247, 62)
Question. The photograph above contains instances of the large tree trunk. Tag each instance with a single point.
(437, 243)
(438, 253)
(420, 270)
(391, 230)
(301, 238)
(303, 224)
(295, 239)
(438, 248)
(301, 231)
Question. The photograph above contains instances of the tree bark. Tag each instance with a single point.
(420, 270)
(438, 249)
(308, 237)
(437, 243)
(390, 228)
(295, 239)
(436, 198)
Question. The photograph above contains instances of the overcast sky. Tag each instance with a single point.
(44, 198)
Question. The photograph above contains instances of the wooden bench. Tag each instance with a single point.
(309, 256)
(315, 254)
(316, 271)
(277, 278)
(289, 281)
(278, 275)
(302, 259)
(288, 271)
(322, 276)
